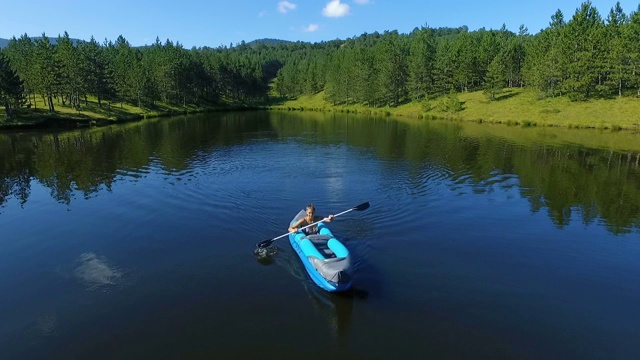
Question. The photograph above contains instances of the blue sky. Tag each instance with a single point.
(214, 23)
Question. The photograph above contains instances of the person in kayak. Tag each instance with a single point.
(309, 219)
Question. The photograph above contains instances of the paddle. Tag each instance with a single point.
(265, 243)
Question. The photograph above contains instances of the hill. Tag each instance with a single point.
(267, 41)
(53, 40)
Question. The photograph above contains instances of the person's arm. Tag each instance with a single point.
(328, 218)
(294, 227)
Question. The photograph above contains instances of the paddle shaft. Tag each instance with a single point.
(266, 243)
(310, 225)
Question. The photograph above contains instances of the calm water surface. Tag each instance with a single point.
(481, 242)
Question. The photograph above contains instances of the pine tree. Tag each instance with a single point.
(421, 64)
(11, 87)
(98, 78)
(391, 66)
(494, 80)
(72, 79)
(584, 36)
(617, 60)
(47, 70)
(21, 54)
(632, 36)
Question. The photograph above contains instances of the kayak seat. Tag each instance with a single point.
(338, 248)
(324, 230)
(309, 249)
(319, 239)
(320, 242)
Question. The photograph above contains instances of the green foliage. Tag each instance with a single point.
(584, 58)
(426, 105)
(495, 78)
(451, 103)
(584, 34)
(11, 87)
(422, 50)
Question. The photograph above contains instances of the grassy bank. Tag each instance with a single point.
(91, 114)
(514, 107)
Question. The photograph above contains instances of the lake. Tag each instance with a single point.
(482, 242)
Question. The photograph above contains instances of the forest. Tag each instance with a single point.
(585, 57)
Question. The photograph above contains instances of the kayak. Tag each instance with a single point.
(325, 258)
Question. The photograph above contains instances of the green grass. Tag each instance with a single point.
(513, 107)
(520, 107)
(91, 113)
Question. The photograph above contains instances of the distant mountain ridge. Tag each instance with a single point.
(53, 40)
(266, 41)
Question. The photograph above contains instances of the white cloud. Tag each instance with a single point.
(311, 28)
(285, 6)
(335, 9)
(262, 14)
(361, 2)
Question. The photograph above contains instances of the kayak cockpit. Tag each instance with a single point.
(326, 259)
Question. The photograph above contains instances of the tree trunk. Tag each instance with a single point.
(620, 88)
(51, 107)
(7, 108)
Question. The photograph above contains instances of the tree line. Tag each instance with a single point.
(586, 57)
(142, 76)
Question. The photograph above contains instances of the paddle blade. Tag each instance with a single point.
(265, 243)
(363, 206)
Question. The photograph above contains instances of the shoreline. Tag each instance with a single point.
(518, 107)
(80, 120)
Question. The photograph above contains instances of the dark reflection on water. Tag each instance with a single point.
(556, 177)
(136, 241)
(84, 162)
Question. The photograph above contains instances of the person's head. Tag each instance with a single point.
(311, 210)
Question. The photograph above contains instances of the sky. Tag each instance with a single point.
(216, 23)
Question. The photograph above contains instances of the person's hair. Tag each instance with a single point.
(310, 206)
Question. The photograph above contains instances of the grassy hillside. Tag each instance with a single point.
(514, 106)
(92, 114)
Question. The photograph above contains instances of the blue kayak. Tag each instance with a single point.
(325, 258)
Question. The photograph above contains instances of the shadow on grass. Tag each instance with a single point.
(507, 95)
(277, 100)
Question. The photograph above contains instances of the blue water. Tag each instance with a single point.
(137, 242)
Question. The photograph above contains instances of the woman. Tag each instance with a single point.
(308, 220)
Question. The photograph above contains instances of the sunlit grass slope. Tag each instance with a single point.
(90, 113)
(513, 106)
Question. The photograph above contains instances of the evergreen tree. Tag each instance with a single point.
(546, 63)
(391, 66)
(464, 50)
(421, 63)
(444, 64)
(494, 79)
(46, 70)
(11, 87)
(72, 72)
(632, 36)
(21, 54)
(617, 58)
(585, 43)
(98, 77)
